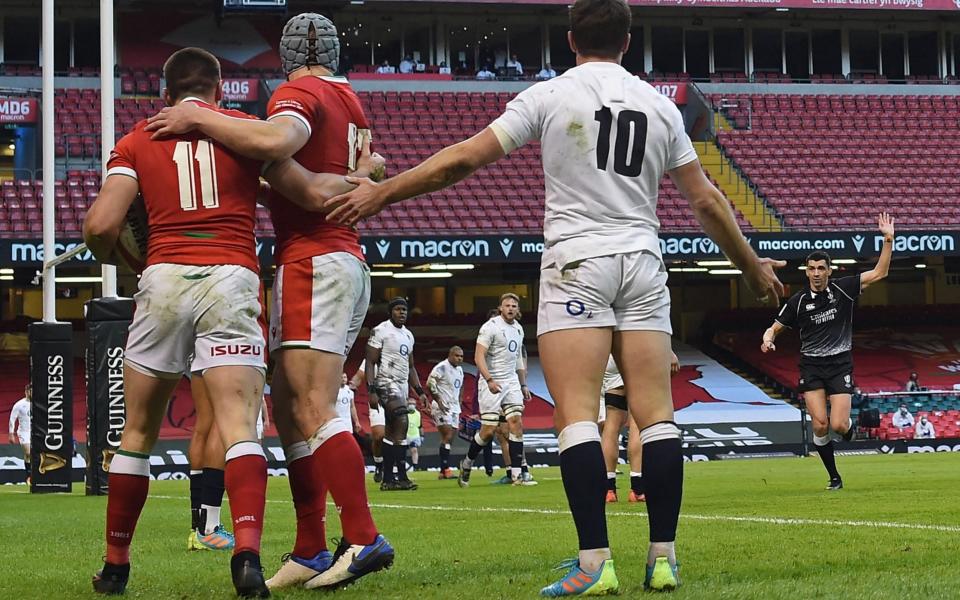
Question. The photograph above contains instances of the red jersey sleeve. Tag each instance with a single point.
(291, 101)
(122, 158)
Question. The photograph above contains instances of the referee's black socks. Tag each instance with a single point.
(824, 446)
(585, 482)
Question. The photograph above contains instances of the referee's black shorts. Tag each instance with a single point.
(833, 374)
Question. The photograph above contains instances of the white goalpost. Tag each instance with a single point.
(107, 124)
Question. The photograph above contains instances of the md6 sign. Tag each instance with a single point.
(18, 110)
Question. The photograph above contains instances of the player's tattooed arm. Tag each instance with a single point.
(481, 357)
(372, 360)
(713, 212)
(885, 225)
(441, 170)
(106, 215)
(415, 383)
(522, 374)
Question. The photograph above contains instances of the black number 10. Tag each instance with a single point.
(623, 149)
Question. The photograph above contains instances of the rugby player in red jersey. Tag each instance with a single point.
(198, 297)
(321, 294)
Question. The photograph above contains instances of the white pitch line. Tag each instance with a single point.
(693, 517)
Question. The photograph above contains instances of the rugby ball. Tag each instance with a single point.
(130, 252)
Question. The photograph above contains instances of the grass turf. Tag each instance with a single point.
(753, 529)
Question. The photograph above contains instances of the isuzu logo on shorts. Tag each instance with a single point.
(236, 350)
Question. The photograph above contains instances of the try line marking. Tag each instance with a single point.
(689, 516)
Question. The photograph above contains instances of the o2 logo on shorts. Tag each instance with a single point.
(576, 308)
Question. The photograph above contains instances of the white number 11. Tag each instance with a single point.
(183, 155)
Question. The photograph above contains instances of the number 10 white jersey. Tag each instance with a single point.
(607, 139)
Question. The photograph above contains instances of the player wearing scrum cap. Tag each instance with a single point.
(321, 295)
(501, 386)
(445, 383)
(607, 139)
(390, 372)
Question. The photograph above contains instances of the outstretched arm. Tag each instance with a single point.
(441, 170)
(885, 224)
(713, 211)
(310, 190)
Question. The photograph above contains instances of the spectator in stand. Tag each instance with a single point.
(485, 74)
(913, 384)
(514, 67)
(858, 399)
(924, 430)
(407, 65)
(546, 72)
(385, 68)
(902, 419)
(444, 69)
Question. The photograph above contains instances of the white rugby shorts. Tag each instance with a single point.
(194, 318)
(320, 303)
(493, 405)
(441, 417)
(625, 291)
(378, 417)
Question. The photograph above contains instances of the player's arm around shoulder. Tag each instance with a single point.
(276, 139)
(885, 223)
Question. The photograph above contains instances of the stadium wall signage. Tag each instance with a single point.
(528, 248)
(18, 110)
(241, 90)
(169, 458)
(51, 432)
(946, 5)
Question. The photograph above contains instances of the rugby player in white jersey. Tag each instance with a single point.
(390, 371)
(346, 409)
(607, 139)
(445, 383)
(501, 386)
(20, 426)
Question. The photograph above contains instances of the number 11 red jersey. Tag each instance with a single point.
(200, 197)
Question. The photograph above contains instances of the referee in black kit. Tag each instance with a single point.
(823, 312)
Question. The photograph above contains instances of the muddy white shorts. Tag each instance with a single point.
(194, 318)
(320, 303)
(508, 402)
(448, 418)
(625, 291)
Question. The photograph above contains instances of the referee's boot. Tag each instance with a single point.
(835, 484)
(111, 580)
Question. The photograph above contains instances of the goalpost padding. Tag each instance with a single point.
(108, 320)
(51, 435)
